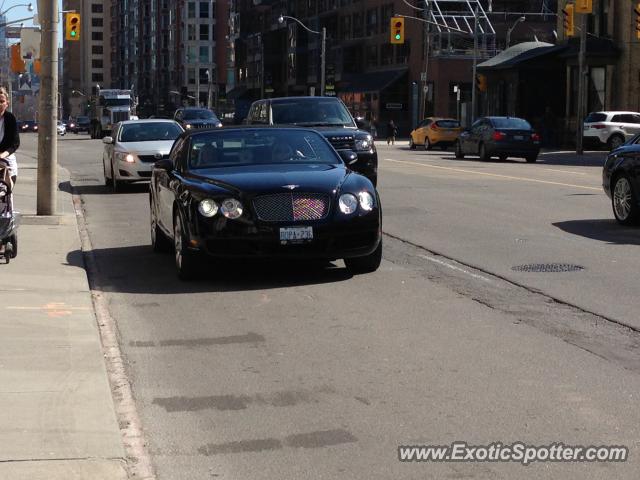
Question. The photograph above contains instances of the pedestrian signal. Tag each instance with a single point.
(72, 21)
(481, 82)
(569, 26)
(397, 30)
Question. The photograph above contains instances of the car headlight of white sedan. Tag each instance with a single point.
(126, 157)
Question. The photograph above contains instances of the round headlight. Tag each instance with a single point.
(348, 203)
(129, 158)
(187, 126)
(208, 208)
(231, 208)
(366, 201)
(364, 143)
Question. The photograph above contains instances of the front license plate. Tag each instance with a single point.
(518, 137)
(296, 234)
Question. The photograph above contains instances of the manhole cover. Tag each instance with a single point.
(548, 267)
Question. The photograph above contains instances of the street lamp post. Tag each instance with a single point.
(519, 20)
(208, 88)
(323, 34)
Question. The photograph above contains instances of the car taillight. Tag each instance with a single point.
(497, 136)
(598, 127)
(535, 137)
(434, 126)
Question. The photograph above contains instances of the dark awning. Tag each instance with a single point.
(369, 82)
(517, 54)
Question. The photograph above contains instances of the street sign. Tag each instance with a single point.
(423, 76)
(30, 43)
(394, 106)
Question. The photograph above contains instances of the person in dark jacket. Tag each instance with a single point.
(9, 136)
(392, 132)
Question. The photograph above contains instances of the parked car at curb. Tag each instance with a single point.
(327, 115)
(263, 192)
(500, 137)
(129, 155)
(621, 182)
(610, 129)
(80, 124)
(61, 128)
(431, 132)
(29, 126)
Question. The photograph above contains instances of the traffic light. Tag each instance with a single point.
(397, 30)
(569, 26)
(481, 82)
(72, 21)
(637, 12)
(584, 6)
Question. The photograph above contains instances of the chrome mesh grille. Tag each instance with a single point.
(291, 207)
(120, 116)
(151, 158)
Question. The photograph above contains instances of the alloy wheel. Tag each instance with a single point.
(177, 241)
(622, 197)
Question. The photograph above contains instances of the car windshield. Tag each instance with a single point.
(596, 117)
(199, 115)
(83, 119)
(515, 123)
(149, 132)
(311, 113)
(255, 147)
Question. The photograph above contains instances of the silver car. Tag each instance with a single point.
(135, 146)
(610, 129)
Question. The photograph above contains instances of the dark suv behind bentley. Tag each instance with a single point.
(327, 115)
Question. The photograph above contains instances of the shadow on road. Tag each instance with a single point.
(141, 187)
(602, 229)
(137, 269)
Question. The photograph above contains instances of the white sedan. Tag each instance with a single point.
(135, 146)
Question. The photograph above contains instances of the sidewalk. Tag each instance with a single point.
(57, 419)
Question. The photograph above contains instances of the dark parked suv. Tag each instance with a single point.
(196, 117)
(327, 115)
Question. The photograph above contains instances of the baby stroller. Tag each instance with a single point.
(8, 219)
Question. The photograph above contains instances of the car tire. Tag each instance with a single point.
(624, 201)
(367, 264)
(459, 154)
(13, 253)
(185, 260)
(412, 146)
(107, 181)
(482, 152)
(615, 141)
(159, 241)
(427, 143)
(531, 159)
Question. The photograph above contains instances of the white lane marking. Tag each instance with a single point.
(565, 171)
(496, 175)
(453, 267)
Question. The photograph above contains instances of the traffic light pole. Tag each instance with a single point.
(581, 85)
(47, 184)
(475, 64)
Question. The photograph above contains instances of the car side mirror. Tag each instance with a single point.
(107, 140)
(349, 157)
(164, 164)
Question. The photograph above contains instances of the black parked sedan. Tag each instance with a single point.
(621, 181)
(500, 137)
(263, 192)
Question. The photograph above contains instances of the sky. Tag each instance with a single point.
(22, 12)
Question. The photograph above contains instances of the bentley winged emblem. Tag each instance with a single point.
(290, 187)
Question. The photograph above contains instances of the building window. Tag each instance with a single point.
(204, 54)
(204, 32)
(358, 25)
(191, 31)
(372, 22)
(386, 12)
(402, 52)
(204, 9)
(96, 63)
(97, 49)
(372, 56)
(191, 10)
(96, 22)
(96, 8)
(386, 54)
(191, 76)
(345, 27)
(96, 36)
(97, 77)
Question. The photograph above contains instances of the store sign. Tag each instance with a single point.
(394, 106)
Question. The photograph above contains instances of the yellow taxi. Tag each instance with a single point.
(433, 131)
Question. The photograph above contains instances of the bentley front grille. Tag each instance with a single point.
(291, 207)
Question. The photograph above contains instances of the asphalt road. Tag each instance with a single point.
(291, 372)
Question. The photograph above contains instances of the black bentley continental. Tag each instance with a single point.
(263, 192)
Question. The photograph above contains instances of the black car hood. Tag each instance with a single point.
(202, 121)
(340, 131)
(270, 178)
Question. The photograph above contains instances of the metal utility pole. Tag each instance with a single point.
(425, 83)
(47, 184)
(208, 88)
(475, 64)
(582, 76)
(323, 60)
(198, 83)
